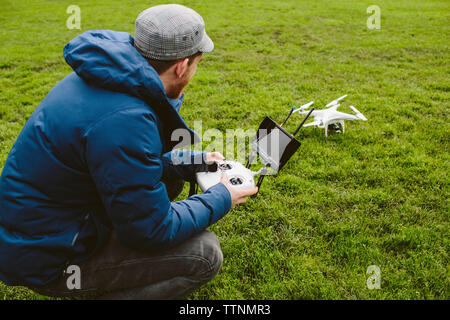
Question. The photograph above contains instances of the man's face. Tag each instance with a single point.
(193, 67)
(186, 77)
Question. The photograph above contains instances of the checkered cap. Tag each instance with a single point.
(170, 32)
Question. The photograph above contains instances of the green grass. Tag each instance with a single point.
(377, 195)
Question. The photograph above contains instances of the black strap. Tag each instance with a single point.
(204, 167)
(193, 188)
(258, 184)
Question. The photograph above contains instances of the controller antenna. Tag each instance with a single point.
(289, 115)
(303, 122)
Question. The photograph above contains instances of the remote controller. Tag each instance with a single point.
(238, 176)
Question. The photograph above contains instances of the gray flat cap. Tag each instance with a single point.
(170, 32)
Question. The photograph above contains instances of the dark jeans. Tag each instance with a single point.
(118, 272)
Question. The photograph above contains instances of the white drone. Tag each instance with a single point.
(330, 116)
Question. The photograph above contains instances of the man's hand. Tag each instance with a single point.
(238, 195)
(214, 157)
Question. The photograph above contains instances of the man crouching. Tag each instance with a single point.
(90, 180)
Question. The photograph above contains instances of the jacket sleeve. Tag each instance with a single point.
(181, 164)
(123, 154)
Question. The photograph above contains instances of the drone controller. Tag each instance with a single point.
(238, 176)
(273, 145)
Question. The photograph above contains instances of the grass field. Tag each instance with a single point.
(377, 195)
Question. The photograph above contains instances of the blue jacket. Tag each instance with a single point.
(90, 159)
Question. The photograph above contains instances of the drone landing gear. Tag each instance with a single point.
(337, 127)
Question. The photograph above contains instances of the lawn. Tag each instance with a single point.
(376, 195)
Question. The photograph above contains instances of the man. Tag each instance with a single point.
(90, 179)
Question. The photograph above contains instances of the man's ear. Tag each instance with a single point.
(181, 67)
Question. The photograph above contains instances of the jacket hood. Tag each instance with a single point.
(109, 60)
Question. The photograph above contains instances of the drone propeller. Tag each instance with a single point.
(293, 110)
(358, 114)
(335, 106)
(303, 107)
(335, 101)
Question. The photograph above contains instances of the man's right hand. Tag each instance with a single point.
(237, 195)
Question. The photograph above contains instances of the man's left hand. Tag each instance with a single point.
(214, 157)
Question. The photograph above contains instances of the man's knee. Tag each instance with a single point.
(216, 257)
(211, 253)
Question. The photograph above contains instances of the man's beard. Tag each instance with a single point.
(176, 90)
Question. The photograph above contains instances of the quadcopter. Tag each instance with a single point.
(328, 118)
